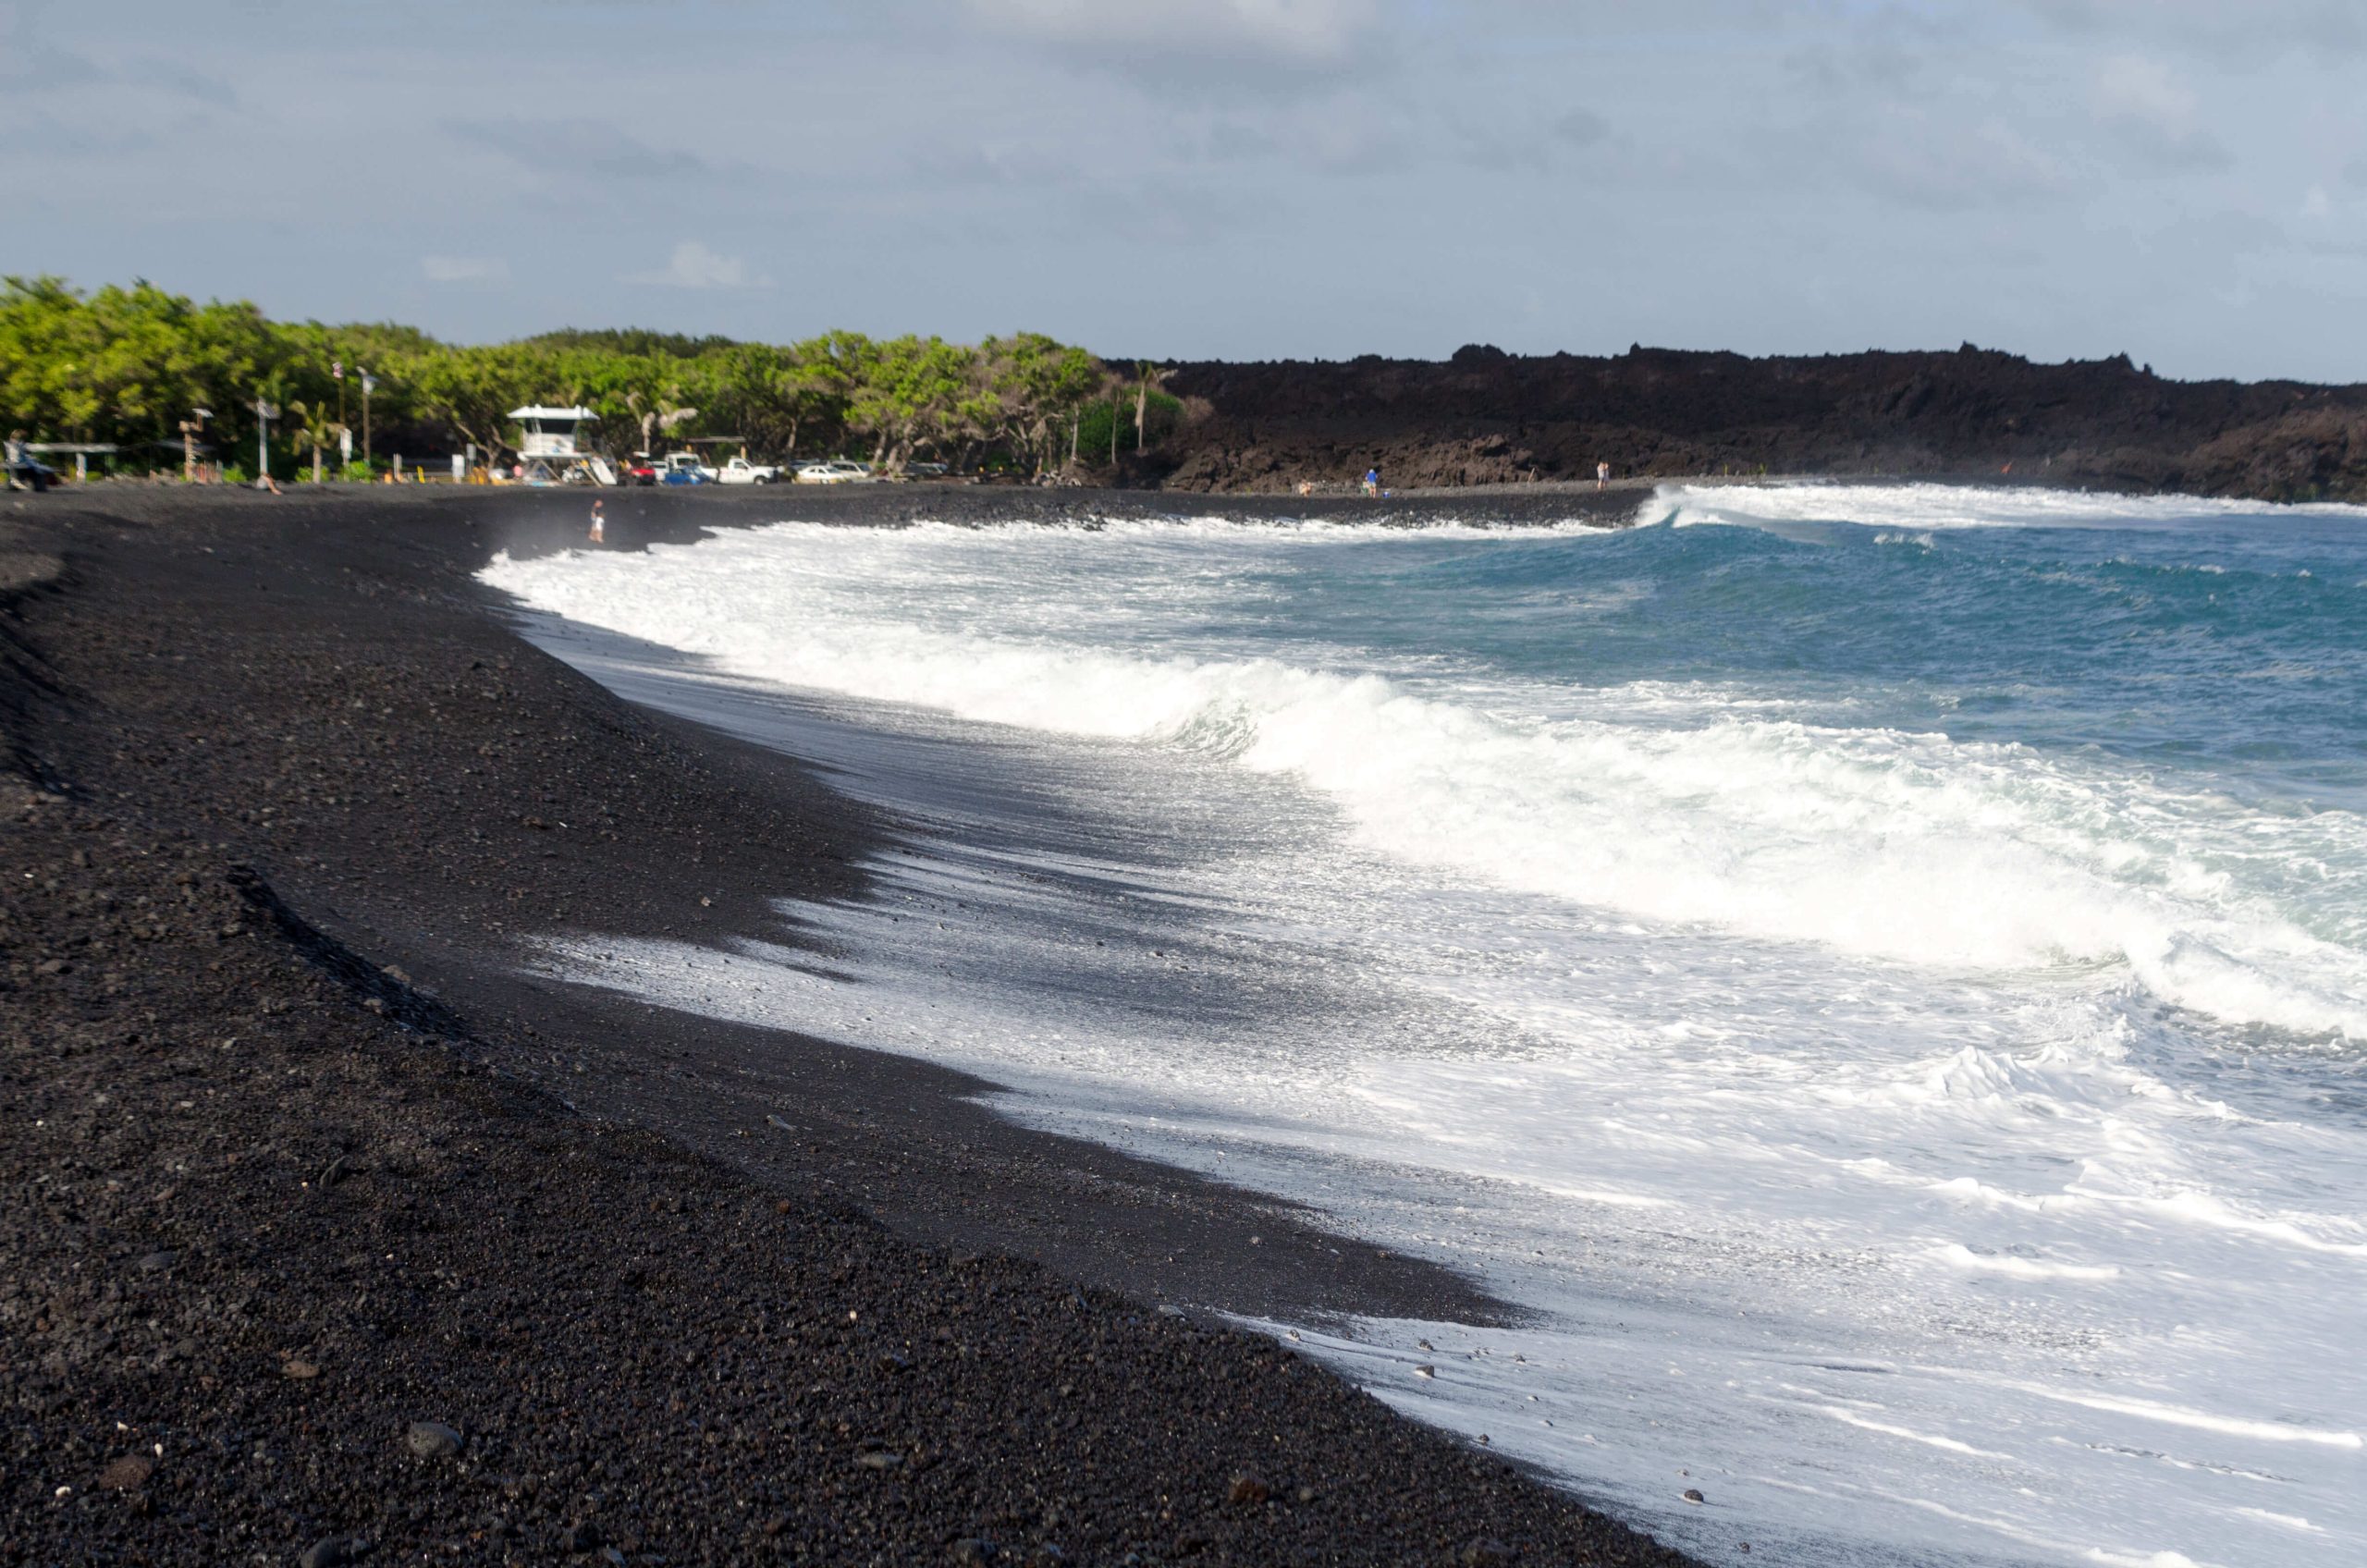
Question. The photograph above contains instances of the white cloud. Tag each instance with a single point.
(2135, 88)
(1286, 33)
(695, 266)
(1942, 167)
(2156, 110)
(464, 269)
(2251, 30)
(578, 147)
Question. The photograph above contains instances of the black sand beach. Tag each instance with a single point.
(298, 1158)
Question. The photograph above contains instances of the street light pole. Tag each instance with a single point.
(369, 385)
(264, 413)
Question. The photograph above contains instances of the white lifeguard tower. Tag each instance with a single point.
(549, 450)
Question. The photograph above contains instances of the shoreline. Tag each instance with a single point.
(316, 689)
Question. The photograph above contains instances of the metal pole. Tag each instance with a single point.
(265, 411)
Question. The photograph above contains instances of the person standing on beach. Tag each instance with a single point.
(597, 535)
(1372, 481)
(1601, 475)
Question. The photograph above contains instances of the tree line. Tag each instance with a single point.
(129, 364)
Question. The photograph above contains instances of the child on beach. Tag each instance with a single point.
(597, 535)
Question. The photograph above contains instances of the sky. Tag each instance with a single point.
(2181, 180)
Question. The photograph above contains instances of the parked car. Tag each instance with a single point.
(643, 469)
(684, 468)
(740, 470)
(837, 472)
(926, 470)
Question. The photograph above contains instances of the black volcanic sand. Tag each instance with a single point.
(306, 1184)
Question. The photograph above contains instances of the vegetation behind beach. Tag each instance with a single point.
(126, 365)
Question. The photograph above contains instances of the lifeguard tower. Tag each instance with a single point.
(548, 449)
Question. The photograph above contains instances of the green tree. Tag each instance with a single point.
(1042, 386)
(907, 396)
(473, 390)
(310, 423)
(126, 364)
(129, 365)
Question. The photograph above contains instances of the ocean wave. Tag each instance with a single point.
(1894, 845)
(1925, 508)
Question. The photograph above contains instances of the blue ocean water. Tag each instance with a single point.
(1881, 971)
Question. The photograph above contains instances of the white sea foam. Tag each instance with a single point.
(2203, 1420)
(1957, 1255)
(1902, 846)
(1814, 1086)
(1926, 508)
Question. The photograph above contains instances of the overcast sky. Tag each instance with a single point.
(2184, 180)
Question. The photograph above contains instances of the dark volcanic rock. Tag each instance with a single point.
(1488, 418)
(433, 1440)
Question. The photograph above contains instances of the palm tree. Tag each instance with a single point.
(662, 411)
(310, 423)
(1147, 375)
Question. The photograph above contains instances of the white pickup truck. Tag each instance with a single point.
(740, 470)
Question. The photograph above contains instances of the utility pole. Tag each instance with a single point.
(337, 373)
(369, 385)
